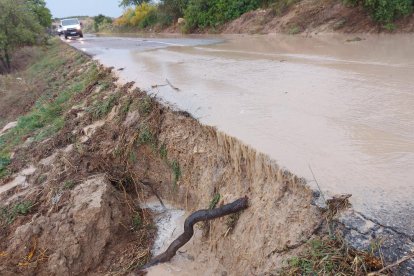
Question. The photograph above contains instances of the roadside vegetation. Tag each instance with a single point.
(46, 117)
(202, 15)
(22, 23)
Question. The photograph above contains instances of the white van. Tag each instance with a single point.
(71, 27)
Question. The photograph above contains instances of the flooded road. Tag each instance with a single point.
(341, 106)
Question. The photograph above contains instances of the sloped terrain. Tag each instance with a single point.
(77, 168)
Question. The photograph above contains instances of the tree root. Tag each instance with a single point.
(201, 215)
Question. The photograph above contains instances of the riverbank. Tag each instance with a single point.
(79, 158)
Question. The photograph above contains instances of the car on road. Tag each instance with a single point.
(71, 27)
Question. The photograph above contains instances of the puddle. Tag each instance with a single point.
(169, 222)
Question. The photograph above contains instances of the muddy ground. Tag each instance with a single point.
(71, 196)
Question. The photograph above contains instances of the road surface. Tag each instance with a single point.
(341, 106)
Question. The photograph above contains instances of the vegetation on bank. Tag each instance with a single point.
(46, 117)
(211, 14)
(22, 22)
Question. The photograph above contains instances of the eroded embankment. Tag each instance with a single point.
(78, 208)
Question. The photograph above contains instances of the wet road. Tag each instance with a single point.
(343, 108)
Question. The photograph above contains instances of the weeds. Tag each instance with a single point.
(102, 108)
(163, 152)
(175, 166)
(69, 185)
(214, 201)
(232, 221)
(330, 256)
(145, 106)
(145, 136)
(8, 215)
(294, 30)
(136, 221)
(4, 163)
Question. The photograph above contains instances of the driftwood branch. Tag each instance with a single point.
(172, 86)
(202, 215)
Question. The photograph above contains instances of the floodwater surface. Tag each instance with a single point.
(338, 106)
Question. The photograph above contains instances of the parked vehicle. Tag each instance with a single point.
(71, 27)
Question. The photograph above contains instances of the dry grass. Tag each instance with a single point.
(331, 256)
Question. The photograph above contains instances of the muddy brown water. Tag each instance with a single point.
(339, 105)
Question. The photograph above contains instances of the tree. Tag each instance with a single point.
(174, 8)
(127, 3)
(100, 20)
(42, 13)
(19, 26)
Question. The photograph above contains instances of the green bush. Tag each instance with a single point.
(386, 11)
(212, 13)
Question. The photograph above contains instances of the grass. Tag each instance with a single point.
(103, 107)
(136, 221)
(4, 162)
(9, 214)
(145, 106)
(47, 115)
(145, 136)
(163, 152)
(69, 185)
(294, 30)
(214, 201)
(175, 166)
(330, 256)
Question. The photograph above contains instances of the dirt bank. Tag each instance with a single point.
(70, 204)
(310, 16)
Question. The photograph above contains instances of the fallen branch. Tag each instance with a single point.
(397, 263)
(202, 215)
(172, 86)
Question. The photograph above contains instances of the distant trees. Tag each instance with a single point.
(22, 22)
(127, 3)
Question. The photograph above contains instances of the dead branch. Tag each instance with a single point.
(397, 263)
(172, 86)
(201, 215)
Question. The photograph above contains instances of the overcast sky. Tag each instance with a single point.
(63, 8)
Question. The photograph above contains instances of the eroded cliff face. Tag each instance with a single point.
(71, 204)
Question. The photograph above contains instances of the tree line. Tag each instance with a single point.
(22, 23)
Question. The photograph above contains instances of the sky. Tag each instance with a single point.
(64, 8)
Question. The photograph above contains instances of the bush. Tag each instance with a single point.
(212, 13)
(386, 11)
(101, 22)
(142, 16)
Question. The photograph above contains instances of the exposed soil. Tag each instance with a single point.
(312, 16)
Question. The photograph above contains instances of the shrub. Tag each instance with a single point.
(386, 11)
(212, 13)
